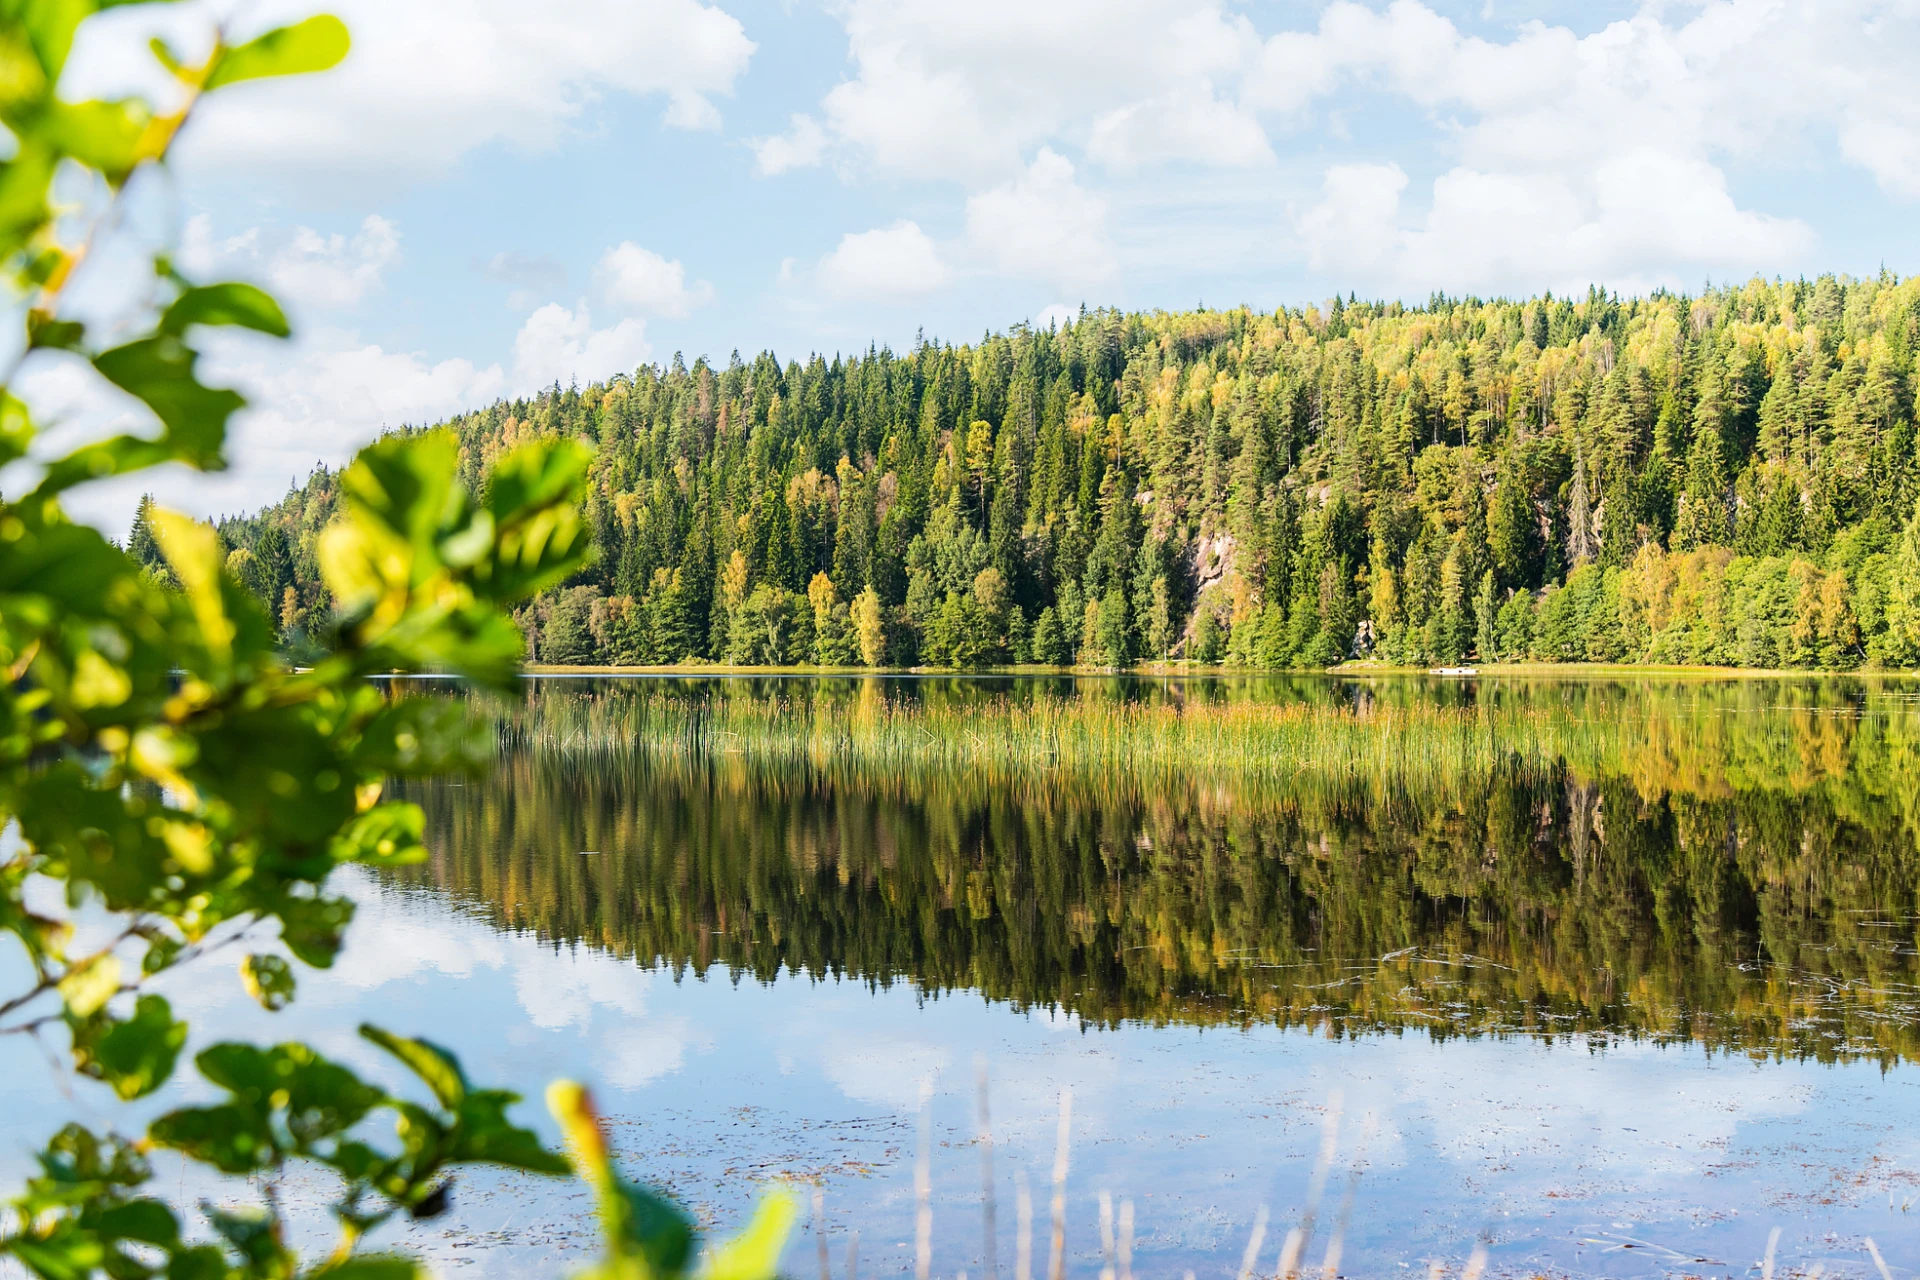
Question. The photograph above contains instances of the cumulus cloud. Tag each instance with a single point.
(1190, 124)
(1538, 130)
(967, 90)
(802, 146)
(318, 399)
(1580, 158)
(431, 80)
(558, 344)
(887, 264)
(305, 268)
(335, 270)
(1042, 225)
(643, 281)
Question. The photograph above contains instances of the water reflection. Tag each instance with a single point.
(1728, 863)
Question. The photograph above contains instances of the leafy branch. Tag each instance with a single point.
(166, 768)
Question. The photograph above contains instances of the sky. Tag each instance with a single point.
(491, 196)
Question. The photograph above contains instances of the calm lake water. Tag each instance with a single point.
(1613, 977)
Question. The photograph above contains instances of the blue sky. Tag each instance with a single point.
(491, 195)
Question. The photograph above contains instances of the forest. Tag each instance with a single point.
(1722, 479)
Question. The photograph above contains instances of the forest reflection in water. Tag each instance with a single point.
(1731, 863)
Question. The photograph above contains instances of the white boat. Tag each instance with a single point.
(1453, 671)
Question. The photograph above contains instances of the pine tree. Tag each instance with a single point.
(1579, 514)
(141, 544)
(1704, 519)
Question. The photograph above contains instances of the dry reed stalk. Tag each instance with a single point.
(1057, 1254)
(989, 1228)
(1108, 1271)
(1330, 1265)
(1873, 1251)
(853, 1256)
(923, 1188)
(1023, 1245)
(820, 1231)
(1254, 1241)
(1296, 1242)
(1476, 1263)
(1126, 1240)
(1766, 1263)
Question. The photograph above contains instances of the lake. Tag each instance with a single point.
(1607, 977)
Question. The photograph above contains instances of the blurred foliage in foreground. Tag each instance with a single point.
(170, 788)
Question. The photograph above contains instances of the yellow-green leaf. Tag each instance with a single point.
(89, 986)
(754, 1254)
(314, 45)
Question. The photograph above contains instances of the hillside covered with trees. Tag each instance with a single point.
(1722, 479)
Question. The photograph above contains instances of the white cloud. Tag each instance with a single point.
(1597, 157)
(801, 147)
(306, 268)
(1188, 125)
(561, 345)
(887, 264)
(318, 399)
(1042, 225)
(335, 270)
(966, 90)
(1641, 219)
(636, 278)
(1538, 129)
(430, 80)
(200, 253)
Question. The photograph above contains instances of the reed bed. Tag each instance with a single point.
(1376, 746)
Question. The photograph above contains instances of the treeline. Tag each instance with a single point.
(1729, 479)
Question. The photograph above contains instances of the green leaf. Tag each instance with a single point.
(160, 372)
(255, 1232)
(311, 928)
(232, 303)
(106, 136)
(269, 979)
(314, 45)
(423, 737)
(136, 1056)
(485, 1134)
(642, 1222)
(405, 485)
(77, 1159)
(16, 428)
(231, 1138)
(66, 1254)
(148, 1221)
(387, 835)
(45, 333)
(317, 1098)
(200, 1262)
(436, 1067)
(754, 1254)
(534, 497)
(89, 986)
(285, 1100)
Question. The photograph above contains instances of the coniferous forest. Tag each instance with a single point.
(1725, 479)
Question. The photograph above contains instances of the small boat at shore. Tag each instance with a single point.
(1453, 671)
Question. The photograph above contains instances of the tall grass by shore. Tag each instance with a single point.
(1372, 745)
